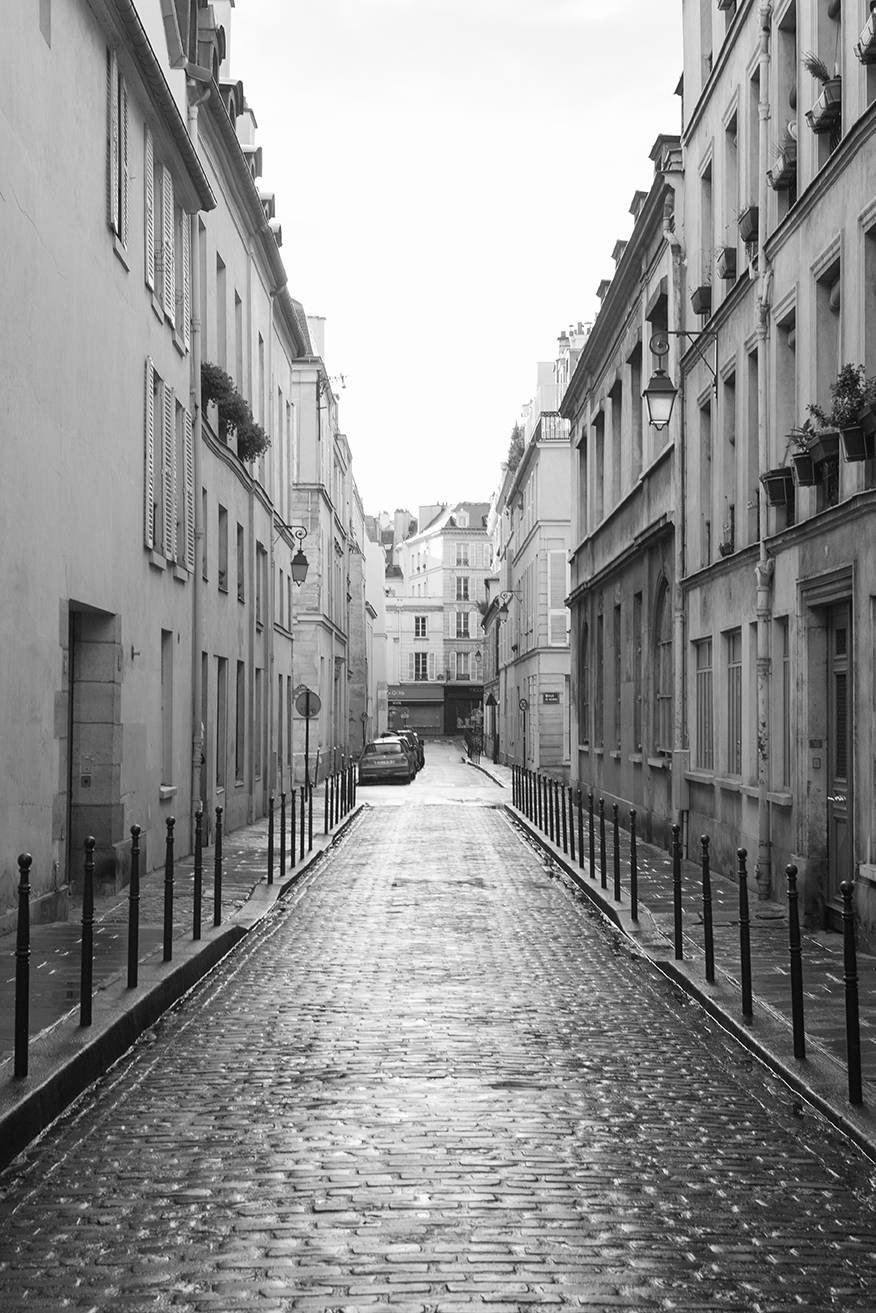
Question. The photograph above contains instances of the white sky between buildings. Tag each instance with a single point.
(451, 177)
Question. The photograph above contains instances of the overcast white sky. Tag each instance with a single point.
(451, 177)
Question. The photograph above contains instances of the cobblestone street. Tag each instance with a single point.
(434, 1080)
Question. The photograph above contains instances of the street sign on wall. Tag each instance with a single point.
(308, 703)
(550, 699)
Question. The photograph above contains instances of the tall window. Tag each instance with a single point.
(637, 672)
(261, 583)
(462, 624)
(116, 149)
(222, 548)
(663, 674)
(599, 703)
(462, 555)
(420, 665)
(616, 657)
(239, 722)
(462, 665)
(257, 723)
(221, 313)
(734, 702)
(166, 707)
(785, 648)
(241, 565)
(584, 684)
(705, 758)
(462, 588)
(221, 719)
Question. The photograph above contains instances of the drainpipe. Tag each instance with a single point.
(679, 811)
(198, 728)
(764, 567)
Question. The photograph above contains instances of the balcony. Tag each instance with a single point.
(551, 427)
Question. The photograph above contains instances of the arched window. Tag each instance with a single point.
(663, 673)
(584, 683)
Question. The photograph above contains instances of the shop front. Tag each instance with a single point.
(419, 707)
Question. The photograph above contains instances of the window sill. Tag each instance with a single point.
(699, 776)
(260, 624)
(241, 599)
(156, 559)
(730, 786)
(616, 755)
(598, 751)
(223, 588)
(157, 309)
(179, 343)
(584, 747)
(659, 763)
(121, 253)
(636, 758)
(166, 791)
(238, 784)
(780, 799)
(180, 574)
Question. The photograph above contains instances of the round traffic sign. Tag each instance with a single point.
(524, 704)
(308, 703)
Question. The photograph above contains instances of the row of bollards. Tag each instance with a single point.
(339, 798)
(542, 800)
(86, 957)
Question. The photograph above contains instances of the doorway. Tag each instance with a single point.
(838, 758)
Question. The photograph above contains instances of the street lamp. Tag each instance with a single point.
(300, 566)
(661, 392)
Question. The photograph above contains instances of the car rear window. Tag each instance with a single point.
(382, 748)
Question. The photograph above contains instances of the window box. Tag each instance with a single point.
(701, 300)
(726, 548)
(783, 174)
(867, 420)
(748, 224)
(726, 4)
(804, 468)
(824, 444)
(726, 262)
(776, 485)
(857, 445)
(828, 108)
(865, 46)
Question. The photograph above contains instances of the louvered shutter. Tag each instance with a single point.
(112, 140)
(186, 278)
(149, 208)
(123, 163)
(189, 490)
(474, 619)
(169, 288)
(431, 664)
(557, 611)
(149, 471)
(410, 666)
(169, 477)
(448, 620)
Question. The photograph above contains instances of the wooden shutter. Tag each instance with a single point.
(149, 472)
(431, 666)
(169, 475)
(186, 279)
(410, 666)
(168, 291)
(123, 162)
(149, 208)
(112, 140)
(189, 492)
(557, 611)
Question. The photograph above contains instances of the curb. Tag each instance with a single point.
(819, 1079)
(64, 1059)
(476, 765)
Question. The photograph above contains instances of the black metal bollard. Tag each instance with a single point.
(515, 786)
(22, 966)
(571, 823)
(334, 799)
(708, 934)
(86, 962)
(560, 818)
(532, 812)
(592, 834)
(301, 834)
(168, 890)
(217, 870)
(676, 893)
(796, 955)
(325, 807)
(134, 909)
(293, 812)
(616, 854)
(352, 789)
(634, 868)
(551, 805)
(271, 839)
(199, 874)
(744, 935)
(579, 801)
(310, 820)
(850, 978)
(603, 872)
(343, 783)
(282, 834)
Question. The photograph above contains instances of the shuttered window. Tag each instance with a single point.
(168, 473)
(116, 149)
(705, 758)
(165, 268)
(149, 211)
(149, 471)
(734, 702)
(558, 613)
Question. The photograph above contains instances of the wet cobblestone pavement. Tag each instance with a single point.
(434, 1080)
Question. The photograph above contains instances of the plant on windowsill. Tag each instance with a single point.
(865, 46)
(701, 298)
(852, 414)
(748, 224)
(725, 262)
(235, 417)
(777, 484)
(828, 108)
(802, 460)
(783, 174)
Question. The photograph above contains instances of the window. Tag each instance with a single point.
(163, 223)
(204, 533)
(462, 665)
(734, 702)
(419, 626)
(616, 654)
(637, 672)
(241, 565)
(261, 583)
(599, 703)
(239, 723)
(116, 149)
(166, 707)
(705, 485)
(221, 313)
(705, 758)
(222, 548)
(635, 366)
(183, 266)
(584, 684)
(462, 588)
(785, 651)
(184, 491)
(462, 554)
(420, 665)
(558, 587)
(462, 624)
(168, 493)
(257, 723)
(221, 719)
(280, 757)
(663, 673)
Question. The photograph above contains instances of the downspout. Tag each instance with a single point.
(679, 683)
(764, 567)
(197, 641)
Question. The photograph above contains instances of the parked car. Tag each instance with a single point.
(386, 758)
(415, 743)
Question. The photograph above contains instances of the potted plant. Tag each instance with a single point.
(783, 174)
(235, 416)
(828, 108)
(726, 262)
(777, 485)
(701, 299)
(865, 46)
(852, 414)
(252, 441)
(748, 224)
(802, 459)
